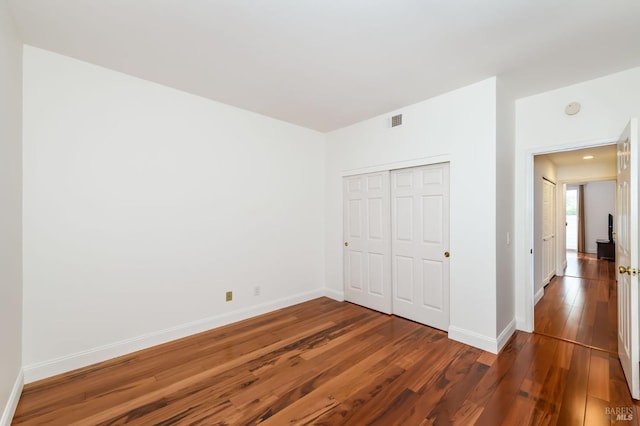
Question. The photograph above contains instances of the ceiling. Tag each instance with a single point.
(327, 64)
(601, 155)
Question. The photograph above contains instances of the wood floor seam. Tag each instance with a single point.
(573, 342)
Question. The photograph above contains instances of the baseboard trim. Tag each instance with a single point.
(42, 370)
(12, 403)
(506, 334)
(472, 338)
(538, 295)
(334, 294)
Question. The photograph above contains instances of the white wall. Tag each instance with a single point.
(543, 168)
(505, 192)
(459, 127)
(143, 205)
(10, 215)
(599, 202)
(541, 126)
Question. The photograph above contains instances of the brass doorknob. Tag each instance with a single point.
(628, 270)
(446, 254)
(346, 244)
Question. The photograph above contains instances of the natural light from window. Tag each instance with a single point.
(572, 219)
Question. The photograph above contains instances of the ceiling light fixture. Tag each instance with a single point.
(587, 157)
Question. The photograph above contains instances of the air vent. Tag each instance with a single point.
(396, 120)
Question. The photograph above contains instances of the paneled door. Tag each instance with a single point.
(367, 264)
(627, 255)
(548, 230)
(420, 244)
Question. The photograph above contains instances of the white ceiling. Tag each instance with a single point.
(327, 64)
(601, 155)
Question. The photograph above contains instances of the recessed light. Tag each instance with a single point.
(587, 157)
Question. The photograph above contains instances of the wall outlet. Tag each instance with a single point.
(229, 296)
(256, 290)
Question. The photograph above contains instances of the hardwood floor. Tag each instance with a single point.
(582, 305)
(329, 363)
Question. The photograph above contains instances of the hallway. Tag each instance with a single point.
(581, 306)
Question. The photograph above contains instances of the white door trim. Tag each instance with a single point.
(423, 161)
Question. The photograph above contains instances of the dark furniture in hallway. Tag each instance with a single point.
(606, 250)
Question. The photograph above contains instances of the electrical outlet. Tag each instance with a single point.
(229, 296)
(256, 290)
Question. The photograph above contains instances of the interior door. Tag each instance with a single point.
(548, 230)
(367, 247)
(420, 244)
(627, 255)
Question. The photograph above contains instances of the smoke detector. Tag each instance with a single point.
(572, 109)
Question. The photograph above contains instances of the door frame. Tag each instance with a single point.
(423, 161)
(525, 298)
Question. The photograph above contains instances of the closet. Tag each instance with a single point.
(396, 242)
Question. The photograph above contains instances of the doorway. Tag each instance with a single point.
(579, 304)
(571, 219)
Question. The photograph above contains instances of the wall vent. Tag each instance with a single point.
(396, 120)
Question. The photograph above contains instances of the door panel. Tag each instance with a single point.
(404, 279)
(432, 217)
(354, 263)
(403, 221)
(367, 261)
(419, 240)
(548, 230)
(627, 255)
(432, 275)
(354, 219)
(376, 218)
(376, 273)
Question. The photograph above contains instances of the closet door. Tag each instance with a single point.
(420, 244)
(367, 246)
(548, 230)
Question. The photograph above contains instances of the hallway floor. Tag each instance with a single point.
(581, 306)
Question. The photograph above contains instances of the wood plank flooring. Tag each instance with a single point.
(582, 305)
(329, 363)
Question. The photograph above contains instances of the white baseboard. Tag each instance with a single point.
(12, 403)
(538, 295)
(334, 294)
(42, 370)
(504, 336)
(472, 338)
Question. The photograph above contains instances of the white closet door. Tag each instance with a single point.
(367, 246)
(548, 230)
(420, 244)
